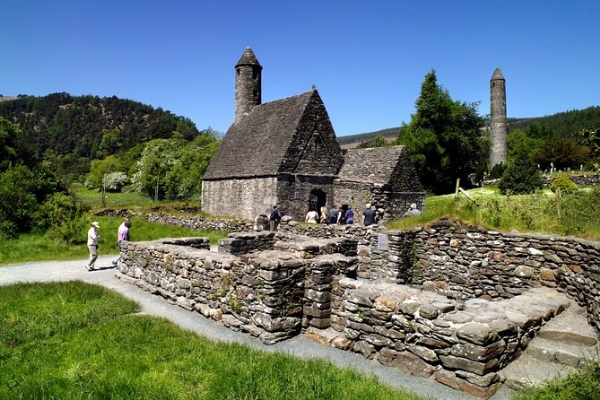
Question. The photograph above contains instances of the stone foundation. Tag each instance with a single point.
(450, 302)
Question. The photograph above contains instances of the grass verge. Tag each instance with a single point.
(38, 247)
(575, 214)
(79, 341)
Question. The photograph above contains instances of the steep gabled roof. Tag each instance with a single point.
(255, 145)
(374, 165)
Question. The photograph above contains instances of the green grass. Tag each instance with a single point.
(576, 214)
(580, 386)
(132, 201)
(36, 247)
(79, 341)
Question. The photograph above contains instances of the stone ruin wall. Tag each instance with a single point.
(238, 196)
(450, 331)
(463, 262)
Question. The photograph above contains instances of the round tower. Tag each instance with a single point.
(498, 118)
(248, 90)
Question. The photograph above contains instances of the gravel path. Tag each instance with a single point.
(193, 321)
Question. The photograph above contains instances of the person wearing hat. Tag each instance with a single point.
(413, 210)
(92, 243)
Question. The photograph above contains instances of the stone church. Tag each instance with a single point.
(285, 153)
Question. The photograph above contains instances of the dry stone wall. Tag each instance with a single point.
(269, 294)
(448, 301)
(464, 262)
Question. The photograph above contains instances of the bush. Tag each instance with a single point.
(497, 171)
(115, 181)
(521, 177)
(64, 216)
(563, 183)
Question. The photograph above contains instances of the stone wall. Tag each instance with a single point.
(293, 192)
(461, 344)
(270, 294)
(239, 197)
(464, 262)
(450, 301)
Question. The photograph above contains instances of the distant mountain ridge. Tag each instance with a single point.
(564, 124)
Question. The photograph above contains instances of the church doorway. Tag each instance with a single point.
(316, 199)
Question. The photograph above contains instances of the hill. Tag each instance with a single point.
(75, 125)
(563, 124)
(352, 141)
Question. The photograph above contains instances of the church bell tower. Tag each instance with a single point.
(248, 86)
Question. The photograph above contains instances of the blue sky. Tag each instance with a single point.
(368, 59)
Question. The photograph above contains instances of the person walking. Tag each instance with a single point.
(92, 243)
(368, 218)
(312, 217)
(324, 215)
(413, 211)
(122, 235)
(275, 218)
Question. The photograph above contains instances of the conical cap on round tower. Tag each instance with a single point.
(497, 75)
(248, 58)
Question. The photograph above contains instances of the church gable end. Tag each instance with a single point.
(314, 148)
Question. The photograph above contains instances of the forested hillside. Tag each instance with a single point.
(565, 123)
(77, 125)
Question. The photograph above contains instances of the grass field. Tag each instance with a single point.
(79, 341)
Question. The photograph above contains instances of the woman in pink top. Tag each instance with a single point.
(122, 234)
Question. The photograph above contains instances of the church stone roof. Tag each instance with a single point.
(256, 145)
(374, 165)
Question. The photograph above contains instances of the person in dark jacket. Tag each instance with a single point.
(275, 218)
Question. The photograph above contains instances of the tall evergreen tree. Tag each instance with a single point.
(444, 138)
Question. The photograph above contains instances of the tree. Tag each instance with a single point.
(378, 141)
(99, 169)
(562, 153)
(591, 139)
(521, 176)
(111, 142)
(13, 149)
(158, 157)
(444, 138)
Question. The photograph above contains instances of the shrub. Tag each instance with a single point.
(497, 171)
(563, 183)
(521, 177)
(115, 181)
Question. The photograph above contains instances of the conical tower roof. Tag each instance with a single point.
(248, 58)
(497, 75)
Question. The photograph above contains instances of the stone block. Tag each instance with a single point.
(478, 353)
(448, 378)
(479, 368)
(405, 361)
(477, 333)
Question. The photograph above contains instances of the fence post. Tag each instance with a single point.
(558, 205)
